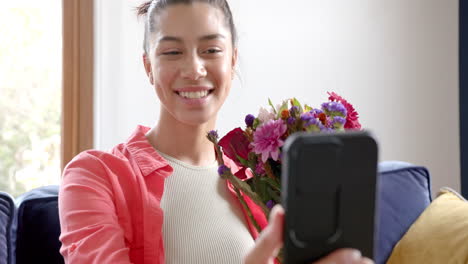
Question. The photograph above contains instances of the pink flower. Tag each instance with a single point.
(259, 169)
(352, 118)
(267, 139)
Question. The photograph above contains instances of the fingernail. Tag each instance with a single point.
(356, 255)
(277, 209)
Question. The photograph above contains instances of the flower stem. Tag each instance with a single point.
(236, 182)
(280, 256)
(268, 170)
(245, 188)
(247, 209)
(219, 154)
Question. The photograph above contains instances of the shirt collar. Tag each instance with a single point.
(147, 158)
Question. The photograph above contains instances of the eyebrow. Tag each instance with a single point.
(203, 38)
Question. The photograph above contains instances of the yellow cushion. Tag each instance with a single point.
(439, 235)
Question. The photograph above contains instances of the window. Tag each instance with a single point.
(30, 88)
(46, 88)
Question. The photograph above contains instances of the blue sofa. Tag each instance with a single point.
(29, 228)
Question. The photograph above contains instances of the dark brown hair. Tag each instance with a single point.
(150, 8)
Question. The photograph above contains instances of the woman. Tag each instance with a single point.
(112, 207)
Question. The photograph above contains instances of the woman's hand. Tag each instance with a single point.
(271, 239)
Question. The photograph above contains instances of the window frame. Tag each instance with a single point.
(78, 79)
(463, 94)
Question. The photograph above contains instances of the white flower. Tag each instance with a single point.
(265, 115)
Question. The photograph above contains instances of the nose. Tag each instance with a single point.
(194, 68)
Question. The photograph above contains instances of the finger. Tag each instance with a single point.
(345, 255)
(367, 261)
(270, 240)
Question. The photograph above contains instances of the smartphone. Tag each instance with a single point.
(329, 183)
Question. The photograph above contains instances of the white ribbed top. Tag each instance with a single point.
(203, 222)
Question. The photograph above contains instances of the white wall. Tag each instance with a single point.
(396, 61)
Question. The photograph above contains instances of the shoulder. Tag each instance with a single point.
(95, 159)
(94, 164)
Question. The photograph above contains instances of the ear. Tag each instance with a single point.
(234, 57)
(147, 64)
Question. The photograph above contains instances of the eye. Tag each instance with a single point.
(212, 51)
(172, 53)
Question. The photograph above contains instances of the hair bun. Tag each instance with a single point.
(142, 10)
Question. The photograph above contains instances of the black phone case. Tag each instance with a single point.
(329, 186)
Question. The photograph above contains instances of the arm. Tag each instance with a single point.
(90, 230)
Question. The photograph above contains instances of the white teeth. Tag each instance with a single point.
(194, 95)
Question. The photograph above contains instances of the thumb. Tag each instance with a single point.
(344, 255)
(270, 240)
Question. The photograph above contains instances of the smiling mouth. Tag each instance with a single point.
(195, 95)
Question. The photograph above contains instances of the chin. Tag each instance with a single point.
(196, 119)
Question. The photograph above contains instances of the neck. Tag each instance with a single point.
(185, 142)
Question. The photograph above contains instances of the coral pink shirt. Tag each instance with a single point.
(109, 205)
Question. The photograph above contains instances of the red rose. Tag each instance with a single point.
(236, 142)
(244, 174)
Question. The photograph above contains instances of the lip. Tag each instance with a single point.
(193, 89)
(194, 102)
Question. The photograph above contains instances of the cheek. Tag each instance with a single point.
(164, 76)
(223, 73)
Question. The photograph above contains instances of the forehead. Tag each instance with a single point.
(190, 21)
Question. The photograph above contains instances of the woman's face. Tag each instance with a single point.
(190, 61)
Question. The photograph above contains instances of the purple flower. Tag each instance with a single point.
(339, 119)
(222, 170)
(291, 120)
(270, 204)
(337, 122)
(294, 110)
(334, 108)
(249, 120)
(213, 134)
(317, 111)
(306, 117)
(313, 122)
(267, 139)
(314, 125)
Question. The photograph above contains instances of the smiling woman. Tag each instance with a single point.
(158, 197)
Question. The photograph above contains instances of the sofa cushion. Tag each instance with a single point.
(38, 227)
(7, 214)
(403, 194)
(439, 235)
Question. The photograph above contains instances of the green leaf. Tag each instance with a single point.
(272, 106)
(295, 102)
(283, 107)
(274, 195)
(312, 129)
(256, 123)
(262, 191)
(252, 183)
(272, 183)
(243, 161)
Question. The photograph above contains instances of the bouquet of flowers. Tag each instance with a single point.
(256, 150)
